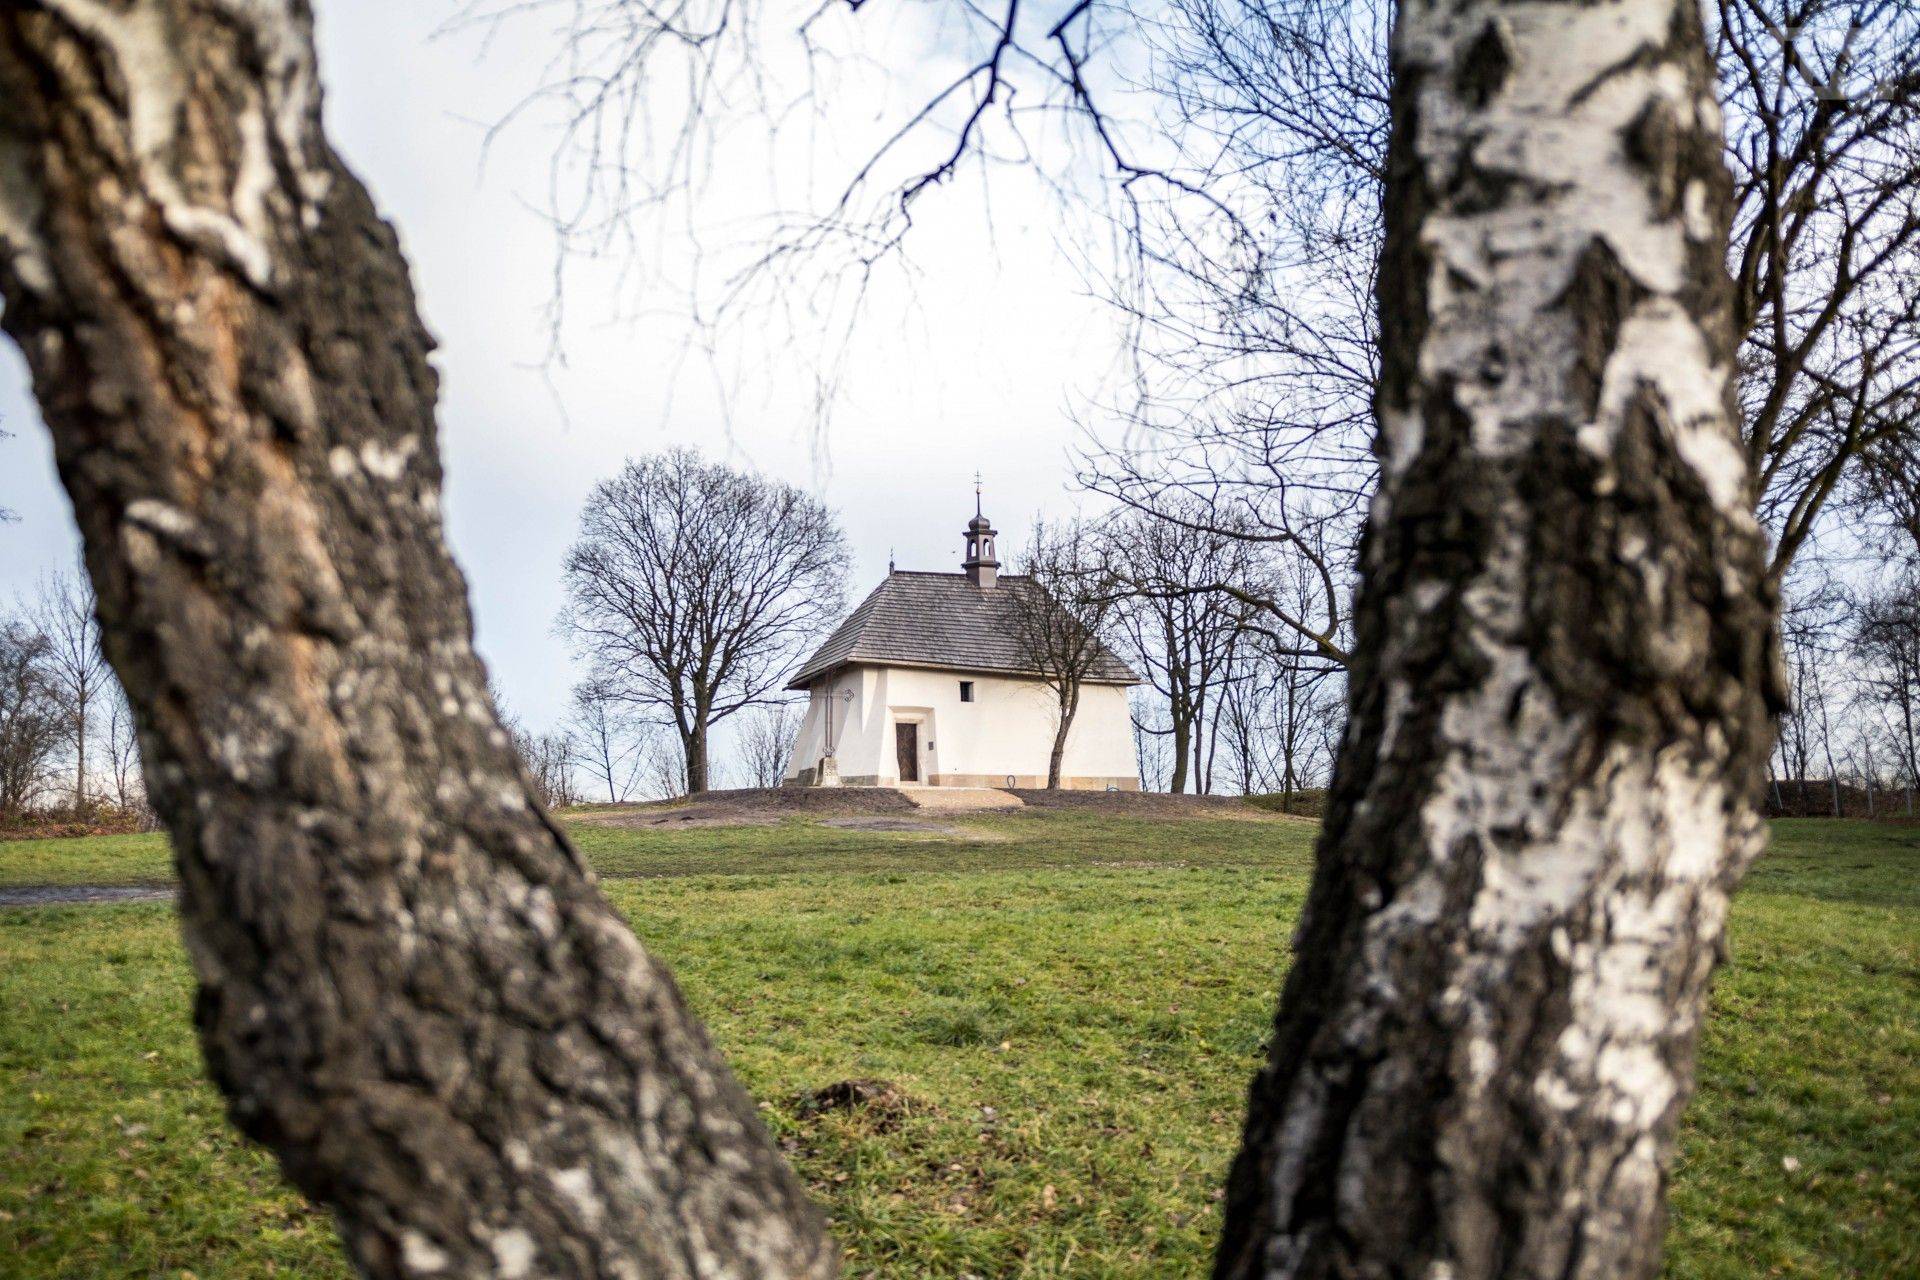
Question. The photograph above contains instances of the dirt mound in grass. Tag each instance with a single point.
(751, 807)
(890, 824)
(881, 1104)
(763, 807)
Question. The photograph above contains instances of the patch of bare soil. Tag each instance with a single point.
(891, 824)
(880, 1103)
(61, 895)
(753, 807)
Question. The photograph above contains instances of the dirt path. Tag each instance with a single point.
(61, 895)
(961, 799)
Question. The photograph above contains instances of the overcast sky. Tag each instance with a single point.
(977, 364)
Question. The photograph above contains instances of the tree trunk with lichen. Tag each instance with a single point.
(409, 988)
(1562, 684)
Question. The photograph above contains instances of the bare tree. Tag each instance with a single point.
(1058, 612)
(1823, 111)
(32, 722)
(1286, 705)
(660, 764)
(1888, 637)
(122, 742)
(1811, 635)
(408, 986)
(1249, 282)
(1188, 604)
(606, 743)
(693, 587)
(1561, 686)
(766, 743)
(1152, 740)
(63, 613)
(548, 761)
(1282, 718)
(1249, 286)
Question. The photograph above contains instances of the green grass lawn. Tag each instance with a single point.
(131, 859)
(1065, 1007)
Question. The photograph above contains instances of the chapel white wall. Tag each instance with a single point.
(1006, 730)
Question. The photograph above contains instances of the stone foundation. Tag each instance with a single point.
(1032, 782)
(991, 781)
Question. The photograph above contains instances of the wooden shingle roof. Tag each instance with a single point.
(939, 620)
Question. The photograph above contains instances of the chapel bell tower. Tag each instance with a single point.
(981, 564)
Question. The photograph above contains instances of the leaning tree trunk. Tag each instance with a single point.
(409, 987)
(1069, 700)
(1562, 681)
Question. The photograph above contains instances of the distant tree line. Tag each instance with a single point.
(68, 749)
(1849, 742)
(1229, 702)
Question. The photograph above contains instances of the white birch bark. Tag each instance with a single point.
(1562, 679)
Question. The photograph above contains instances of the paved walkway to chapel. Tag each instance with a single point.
(961, 799)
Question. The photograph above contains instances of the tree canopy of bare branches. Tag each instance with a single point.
(1059, 613)
(693, 587)
(63, 613)
(1258, 349)
(766, 743)
(1188, 606)
(32, 720)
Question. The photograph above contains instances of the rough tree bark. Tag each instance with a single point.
(409, 987)
(1562, 683)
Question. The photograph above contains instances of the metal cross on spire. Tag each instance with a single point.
(976, 493)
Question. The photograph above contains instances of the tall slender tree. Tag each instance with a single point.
(1187, 603)
(605, 742)
(63, 614)
(1058, 609)
(31, 722)
(1887, 635)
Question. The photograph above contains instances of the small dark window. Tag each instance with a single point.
(966, 691)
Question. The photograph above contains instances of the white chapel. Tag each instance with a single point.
(923, 686)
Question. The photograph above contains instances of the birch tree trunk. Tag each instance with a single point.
(1562, 684)
(409, 988)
